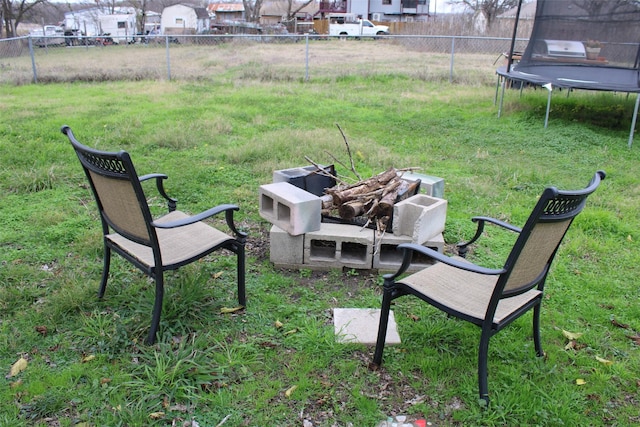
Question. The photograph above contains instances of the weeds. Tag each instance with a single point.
(166, 375)
(33, 181)
(103, 333)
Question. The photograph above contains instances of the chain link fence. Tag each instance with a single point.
(461, 59)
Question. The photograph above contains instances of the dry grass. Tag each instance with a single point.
(422, 58)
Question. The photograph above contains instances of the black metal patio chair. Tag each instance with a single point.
(490, 298)
(154, 245)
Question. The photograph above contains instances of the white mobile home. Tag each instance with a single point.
(183, 19)
(88, 21)
(120, 27)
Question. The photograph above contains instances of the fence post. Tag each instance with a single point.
(33, 61)
(306, 59)
(166, 39)
(453, 49)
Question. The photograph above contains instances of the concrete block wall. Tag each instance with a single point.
(308, 178)
(299, 238)
(388, 258)
(286, 250)
(294, 210)
(430, 185)
(344, 246)
(339, 245)
(420, 217)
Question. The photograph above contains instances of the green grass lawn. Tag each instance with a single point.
(218, 141)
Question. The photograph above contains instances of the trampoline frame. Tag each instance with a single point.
(504, 77)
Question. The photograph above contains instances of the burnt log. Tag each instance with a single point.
(351, 210)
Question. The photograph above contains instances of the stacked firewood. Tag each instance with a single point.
(368, 201)
(371, 199)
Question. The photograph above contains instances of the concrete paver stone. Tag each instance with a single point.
(360, 325)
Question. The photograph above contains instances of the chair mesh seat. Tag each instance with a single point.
(176, 244)
(464, 291)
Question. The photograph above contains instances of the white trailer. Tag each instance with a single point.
(349, 25)
(121, 28)
(88, 22)
(85, 22)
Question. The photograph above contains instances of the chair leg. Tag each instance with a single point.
(382, 327)
(536, 331)
(105, 271)
(242, 296)
(157, 308)
(483, 354)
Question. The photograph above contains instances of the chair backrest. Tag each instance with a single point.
(118, 192)
(533, 252)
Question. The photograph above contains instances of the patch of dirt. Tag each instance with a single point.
(257, 240)
(396, 393)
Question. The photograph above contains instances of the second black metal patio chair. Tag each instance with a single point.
(490, 298)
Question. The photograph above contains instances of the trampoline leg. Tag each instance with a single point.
(633, 120)
(546, 117)
(504, 83)
(495, 97)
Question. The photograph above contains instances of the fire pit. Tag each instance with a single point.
(311, 230)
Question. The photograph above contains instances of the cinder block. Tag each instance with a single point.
(292, 209)
(308, 178)
(388, 258)
(360, 325)
(339, 245)
(285, 250)
(420, 217)
(430, 185)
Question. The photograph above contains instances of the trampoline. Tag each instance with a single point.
(578, 44)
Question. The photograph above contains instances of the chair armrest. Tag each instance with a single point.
(409, 248)
(152, 175)
(481, 220)
(160, 177)
(227, 209)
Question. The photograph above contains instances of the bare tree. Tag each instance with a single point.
(293, 7)
(489, 8)
(252, 10)
(600, 7)
(142, 7)
(108, 5)
(12, 12)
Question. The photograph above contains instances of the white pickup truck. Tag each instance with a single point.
(53, 35)
(359, 28)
